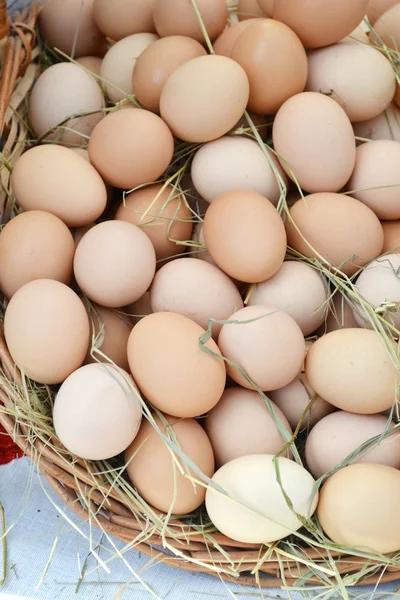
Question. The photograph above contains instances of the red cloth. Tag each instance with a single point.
(8, 450)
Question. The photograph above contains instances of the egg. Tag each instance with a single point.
(249, 9)
(376, 8)
(119, 62)
(253, 508)
(299, 290)
(387, 27)
(170, 367)
(92, 63)
(131, 147)
(233, 163)
(239, 226)
(47, 330)
(204, 98)
(34, 245)
(376, 180)
(114, 263)
(385, 126)
(340, 314)
(68, 25)
(225, 43)
(353, 370)
(52, 178)
(340, 434)
(357, 76)
(153, 471)
(121, 18)
(379, 284)
(314, 140)
(110, 330)
(275, 63)
(293, 400)
(157, 62)
(139, 309)
(391, 235)
(179, 18)
(360, 34)
(264, 343)
(65, 105)
(358, 508)
(79, 232)
(323, 219)
(195, 289)
(241, 424)
(319, 24)
(83, 152)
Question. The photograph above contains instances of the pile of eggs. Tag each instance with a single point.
(147, 274)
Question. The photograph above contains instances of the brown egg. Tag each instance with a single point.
(340, 314)
(239, 226)
(69, 26)
(340, 434)
(241, 424)
(353, 370)
(171, 369)
(196, 100)
(179, 18)
(139, 309)
(266, 343)
(110, 330)
(358, 508)
(92, 63)
(385, 126)
(224, 44)
(319, 24)
(376, 8)
(325, 218)
(275, 63)
(131, 147)
(195, 289)
(121, 18)
(154, 472)
(114, 263)
(47, 330)
(391, 236)
(119, 62)
(63, 90)
(157, 62)
(56, 180)
(387, 27)
(169, 218)
(315, 142)
(34, 245)
(357, 76)
(249, 9)
(294, 399)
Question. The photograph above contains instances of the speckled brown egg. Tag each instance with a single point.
(325, 218)
(391, 236)
(110, 330)
(179, 18)
(121, 18)
(275, 63)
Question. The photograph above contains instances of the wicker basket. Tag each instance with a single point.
(181, 545)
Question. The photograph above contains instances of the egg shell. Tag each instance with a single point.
(47, 330)
(357, 76)
(294, 398)
(225, 43)
(197, 290)
(241, 424)
(121, 18)
(314, 140)
(340, 314)
(255, 510)
(358, 508)
(299, 290)
(323, 219)
(179, 18)
(69, 26)
(266, 343)
(340, 434)
(319, 24)
(385, 126)
(275, 63)
(54, 179)
(391, 235)
(249, 9)
(204, 98)
(62, 90)
(353, 370)
(92, 63)
(114, 263)
(233, 163)
(119, 62)
(131, 147)
(239, 226)
(379, 283)
(110, 330)
(376, 180)
(387, 27)
(34, 245)
(170, 367)
(376, 8)
(152, 470)
(157, 62)
(139, 309)
(266, 6)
